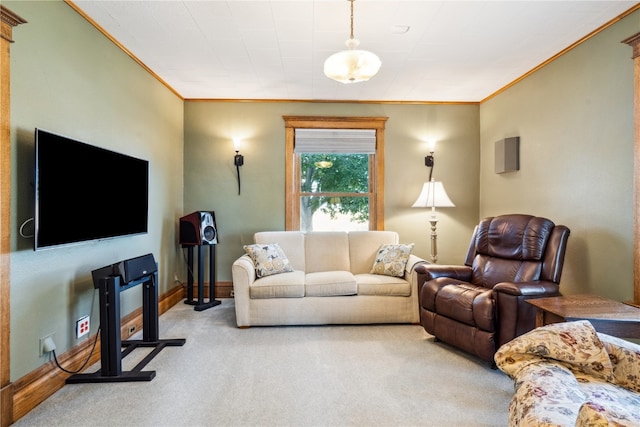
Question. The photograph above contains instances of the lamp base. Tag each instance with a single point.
(434, 240)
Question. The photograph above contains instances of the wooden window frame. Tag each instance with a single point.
(292, 177)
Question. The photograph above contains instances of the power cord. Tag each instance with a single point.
(23, 225)
(95, 342)
(186, 261)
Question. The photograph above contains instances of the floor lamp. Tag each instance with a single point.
(433, 195)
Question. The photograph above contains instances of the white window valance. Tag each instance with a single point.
(351, 141)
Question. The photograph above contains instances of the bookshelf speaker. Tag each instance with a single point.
(198, 228)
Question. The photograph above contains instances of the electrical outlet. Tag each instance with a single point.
(132, 329)
(46, 344)
(82, 326)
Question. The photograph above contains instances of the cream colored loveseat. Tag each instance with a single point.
(330, 283)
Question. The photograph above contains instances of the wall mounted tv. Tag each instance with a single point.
(85, 193)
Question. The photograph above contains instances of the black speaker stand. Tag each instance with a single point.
(200, 304)
(111, 352)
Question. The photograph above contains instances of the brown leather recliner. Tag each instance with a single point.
(481, 305)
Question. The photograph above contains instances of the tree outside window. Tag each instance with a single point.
(334, 191)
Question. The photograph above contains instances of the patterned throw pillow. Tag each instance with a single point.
(268, 259)
(391, 260)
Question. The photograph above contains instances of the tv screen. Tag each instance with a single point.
(85, 193)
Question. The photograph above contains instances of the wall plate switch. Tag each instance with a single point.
(82, 326)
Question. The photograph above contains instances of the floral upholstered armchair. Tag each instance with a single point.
(567, 374)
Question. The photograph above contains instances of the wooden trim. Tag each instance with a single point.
(334, 122)
(292, 203)
(35, 387)
(8, 20)
(634, 42)
(379, 180)
(291, 221)
(333, 101)
(223, 289)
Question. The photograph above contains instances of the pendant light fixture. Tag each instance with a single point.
(352, 65)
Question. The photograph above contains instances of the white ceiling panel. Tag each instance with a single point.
(274, 49)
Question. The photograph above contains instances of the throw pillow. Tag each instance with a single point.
(268, 259)
(391, 260)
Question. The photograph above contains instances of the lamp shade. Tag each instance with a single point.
(433, 194)
(352, 66)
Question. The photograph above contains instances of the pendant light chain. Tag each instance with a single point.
(351, 19)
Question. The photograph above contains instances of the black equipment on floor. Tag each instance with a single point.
(111, 280)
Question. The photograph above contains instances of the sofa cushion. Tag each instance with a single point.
(268, 259)
(391, 260)
(363, 246)
(285, 285)
(291, 242)
(330, 283)
(326, 251)
(376, 284)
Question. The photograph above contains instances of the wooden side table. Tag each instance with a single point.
(606, 316)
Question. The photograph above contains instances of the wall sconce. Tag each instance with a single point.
(429, 161)
(238, 159)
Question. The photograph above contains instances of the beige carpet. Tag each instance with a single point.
(378, 375)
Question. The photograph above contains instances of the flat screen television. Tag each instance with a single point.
(85, 193)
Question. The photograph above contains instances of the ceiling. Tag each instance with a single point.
(431, 51)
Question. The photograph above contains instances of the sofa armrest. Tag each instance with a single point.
(243, 273)
(411, 272)
(536, 288)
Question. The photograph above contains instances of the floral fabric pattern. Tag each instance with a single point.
(567, 374)
(391, 260)
(625, 358)
(268, 259)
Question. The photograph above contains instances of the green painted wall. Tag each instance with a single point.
(574, 118)
(70, 79)
(210, 176)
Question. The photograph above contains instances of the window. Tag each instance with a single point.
(334, 173)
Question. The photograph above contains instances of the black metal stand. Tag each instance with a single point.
(200, 304)
(111, 352)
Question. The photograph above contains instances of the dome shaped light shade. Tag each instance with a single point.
(352, 65)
